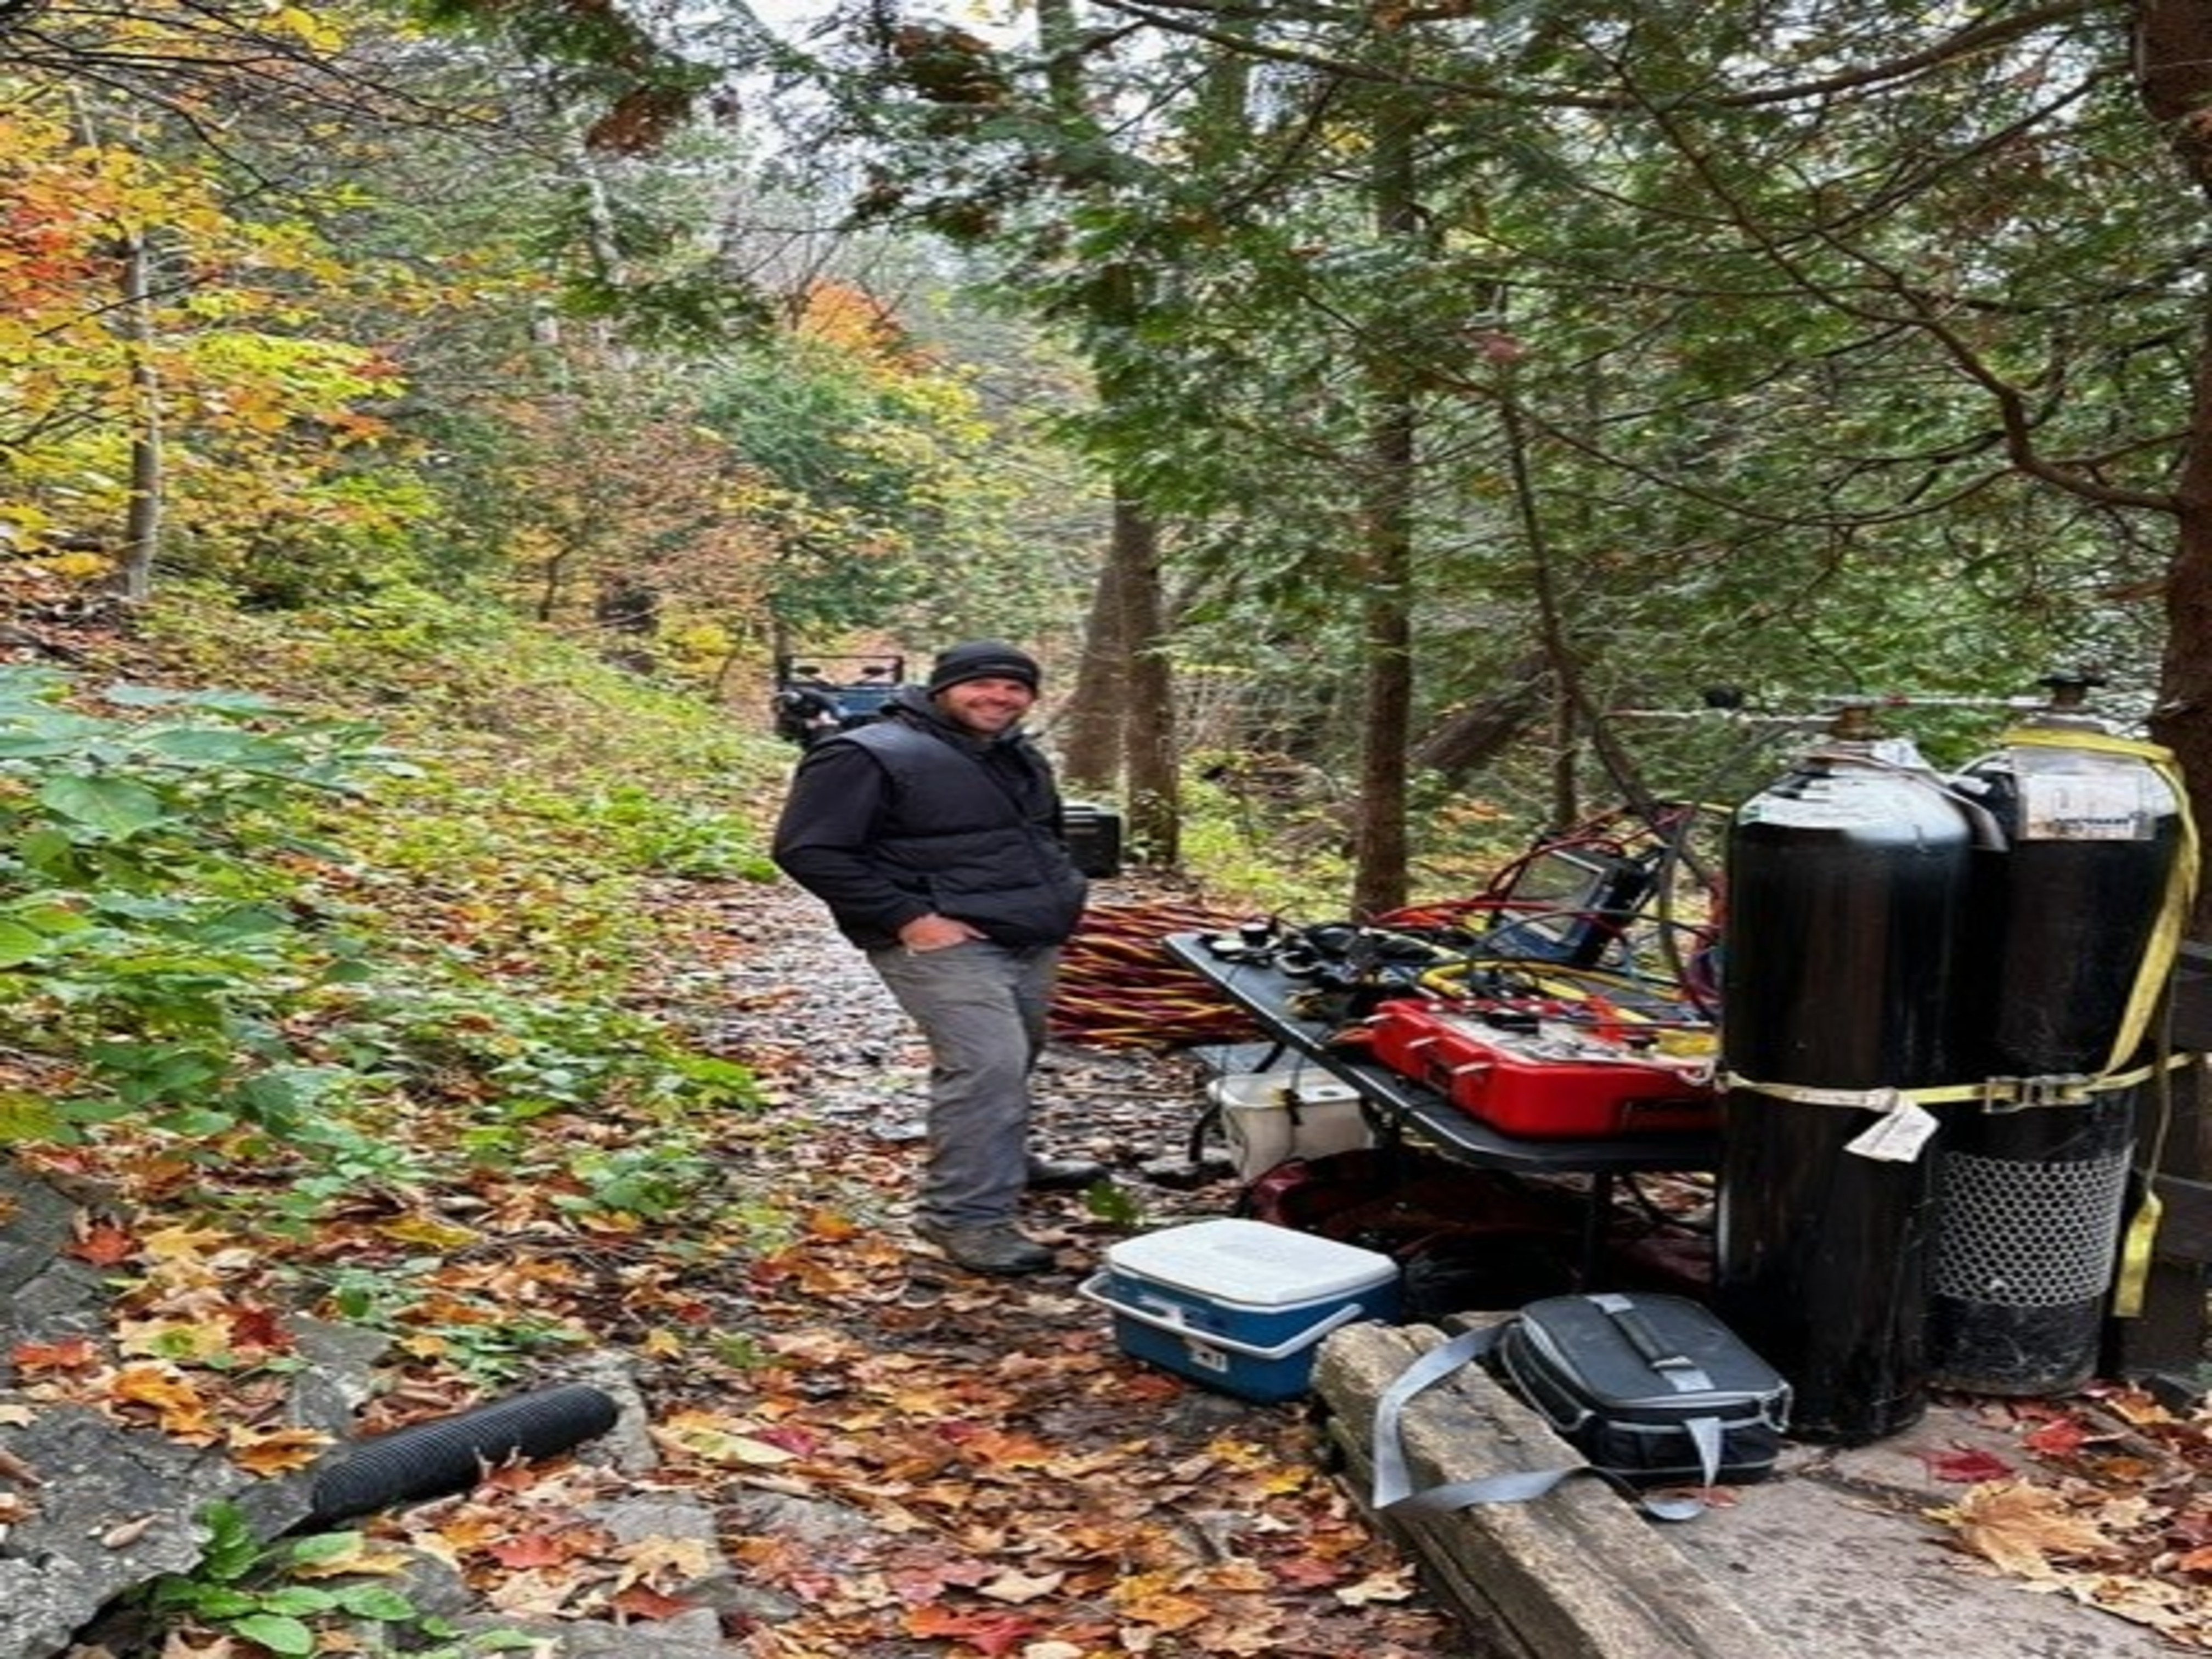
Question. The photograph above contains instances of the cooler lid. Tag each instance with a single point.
(1254, 1263)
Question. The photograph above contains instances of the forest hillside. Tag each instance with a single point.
(420, 972)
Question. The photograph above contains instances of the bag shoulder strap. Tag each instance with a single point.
(1394, 1491)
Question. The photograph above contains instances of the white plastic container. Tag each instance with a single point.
(1239, 1306)
(1267, 1117)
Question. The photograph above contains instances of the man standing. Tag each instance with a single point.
(934, 836)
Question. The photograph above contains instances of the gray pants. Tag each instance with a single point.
(982, 1008)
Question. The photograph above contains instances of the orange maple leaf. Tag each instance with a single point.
(536, 1549)
(1156, 1599)
(991, 1633)
(105, 1244)
(998, 1449)
(75, 1353)
(643, 1601)
(175, 1401)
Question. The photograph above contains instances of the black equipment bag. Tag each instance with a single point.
(1462, 1238)
(1653, 1390)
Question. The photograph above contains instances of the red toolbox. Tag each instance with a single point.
(1543, 1079)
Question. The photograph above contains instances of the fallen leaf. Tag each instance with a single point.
(1394, 1585)
(2133, 1471)
(104, 1245)
(178, 1406)
(364, 1558)
(74, 1353)
(2137, 1408)
(535, 1549)
(275, 1451)
(643, 1601)
(713, 1439)
(677, 1560)
(989, 1633)
(428, 1232)
(2018, 1527)
(2061, 1438)
(124, 1535)
(183, 1243)
(1017, 1587)
(1966, 1464)
(1156, 1599)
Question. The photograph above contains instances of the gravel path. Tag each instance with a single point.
(792, 1000)
(1200, 1523)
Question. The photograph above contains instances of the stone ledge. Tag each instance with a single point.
(1830, 1557)
(1575, 1572)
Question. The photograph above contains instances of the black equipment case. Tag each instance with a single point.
(1653, 1390)
(1094, 837)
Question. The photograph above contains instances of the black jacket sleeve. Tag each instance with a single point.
(822, 838)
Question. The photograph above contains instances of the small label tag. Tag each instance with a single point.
(1897, 1136)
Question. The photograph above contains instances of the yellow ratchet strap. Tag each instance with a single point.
(2181, 883)
(2132, 1277)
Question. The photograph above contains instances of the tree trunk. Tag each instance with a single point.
(1088, 724)
(2183, 719)
(141, 524)
(1379, 843)
(1121, 719)
(1384, 563)
(1479, 733)
(1148, 725)
(2173, 62)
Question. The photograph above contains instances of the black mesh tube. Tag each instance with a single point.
(450, 1454)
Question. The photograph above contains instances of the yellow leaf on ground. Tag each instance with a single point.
(276, 1451)
(2020, 1527)
(716, 1440)
(428, 1232)
(664, 1562)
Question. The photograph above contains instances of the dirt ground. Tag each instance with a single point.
(1164, 1519)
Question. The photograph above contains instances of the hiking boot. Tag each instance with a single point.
(992, 1247)
(1061, 1174)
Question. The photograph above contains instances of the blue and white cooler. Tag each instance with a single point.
(1240, 1306)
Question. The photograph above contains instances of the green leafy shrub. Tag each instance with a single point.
(151, 929)
(247, 1589)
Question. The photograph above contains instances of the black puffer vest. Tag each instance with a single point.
(976, 836)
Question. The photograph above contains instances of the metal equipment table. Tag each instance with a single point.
(1398, 1105)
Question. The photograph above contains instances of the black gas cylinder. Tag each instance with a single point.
(2033, 1191)
(1849, 888)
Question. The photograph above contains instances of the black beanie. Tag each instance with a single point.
(982, 660)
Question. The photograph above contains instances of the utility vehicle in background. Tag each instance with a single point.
(816, 696)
